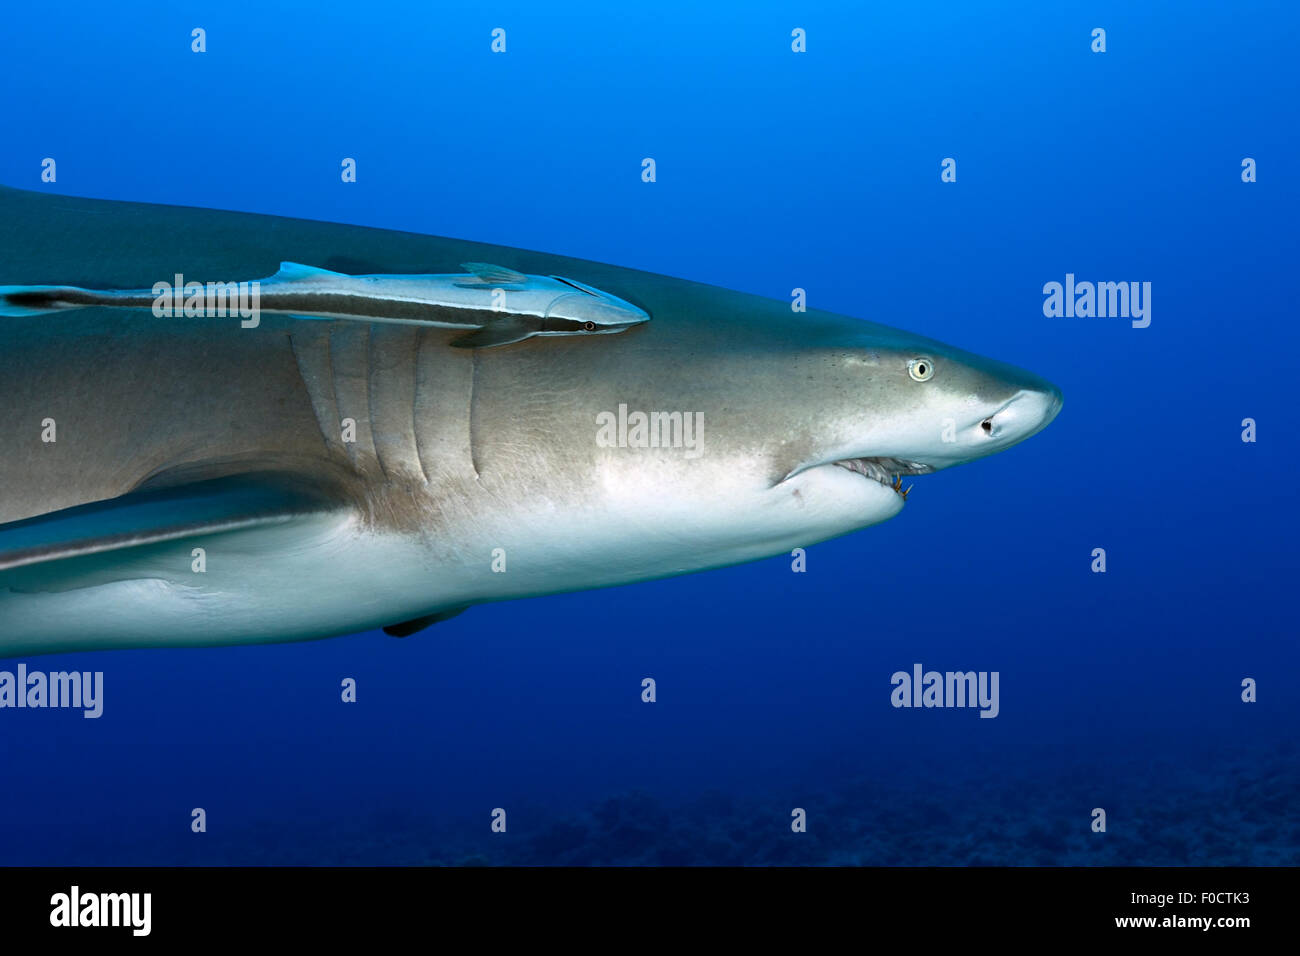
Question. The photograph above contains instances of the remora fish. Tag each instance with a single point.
(499, 305)
(201, 487)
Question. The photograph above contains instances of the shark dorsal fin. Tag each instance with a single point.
(486, 272)
(291, 271)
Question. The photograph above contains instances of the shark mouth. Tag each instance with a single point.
(887, 471)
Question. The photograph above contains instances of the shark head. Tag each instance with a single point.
(915, 406)
(728, 429)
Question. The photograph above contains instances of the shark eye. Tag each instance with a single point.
(589, 326)
(920, 368)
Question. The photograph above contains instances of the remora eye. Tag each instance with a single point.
(589, 326)
(921, 368)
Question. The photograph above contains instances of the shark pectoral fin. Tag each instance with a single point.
(502, 331)
(291, 271)
(146, 517)
(407, 628)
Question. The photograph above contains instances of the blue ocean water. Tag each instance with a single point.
(775, 170)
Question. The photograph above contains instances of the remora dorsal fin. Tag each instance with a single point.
(407, 628)
(487, 272)
(146, 517)
(291, 271)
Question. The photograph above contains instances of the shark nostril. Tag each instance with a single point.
(987, 425)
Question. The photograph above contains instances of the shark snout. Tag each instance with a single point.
(1026, 413)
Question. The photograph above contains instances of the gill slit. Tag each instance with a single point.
(420, 335)
(473, 405)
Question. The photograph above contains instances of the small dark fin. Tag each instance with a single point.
(501, 331)
(407, 628)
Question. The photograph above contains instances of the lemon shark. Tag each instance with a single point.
(185, 481)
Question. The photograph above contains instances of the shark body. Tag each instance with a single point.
(184, 482)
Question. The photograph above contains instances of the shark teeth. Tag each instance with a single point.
(887, 471)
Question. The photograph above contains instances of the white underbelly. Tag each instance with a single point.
(314, 578)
